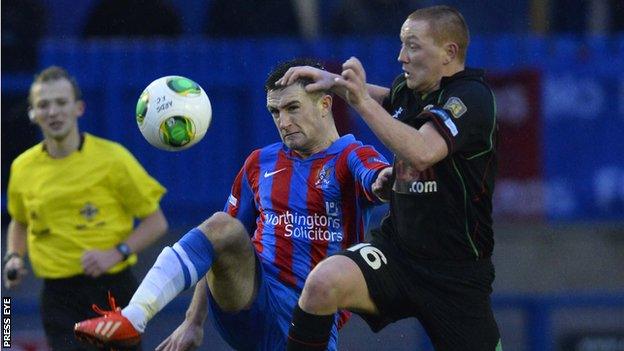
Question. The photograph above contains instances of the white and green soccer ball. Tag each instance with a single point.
(173, 113)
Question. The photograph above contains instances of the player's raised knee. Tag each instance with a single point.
(224, 232)
(322, 287)
(221, 222)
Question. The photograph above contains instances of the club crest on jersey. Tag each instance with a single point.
(456, 106)
(89, 211)
(323, 177)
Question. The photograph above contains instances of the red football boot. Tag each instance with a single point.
(112, 329)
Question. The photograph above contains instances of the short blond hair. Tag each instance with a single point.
(54, 73)
(445, 24)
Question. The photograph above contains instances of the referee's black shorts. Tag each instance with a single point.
(67, 301)
(450, 299)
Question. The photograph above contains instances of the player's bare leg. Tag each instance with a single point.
(231, 279)
(326, 290)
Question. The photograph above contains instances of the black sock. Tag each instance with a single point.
(309, 332)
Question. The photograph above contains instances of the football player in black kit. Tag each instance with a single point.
(430, 259)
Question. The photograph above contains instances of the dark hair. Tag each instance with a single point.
(445, 24)
(53, 73)
(281, 68)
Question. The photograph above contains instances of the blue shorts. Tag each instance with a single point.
(264, 326)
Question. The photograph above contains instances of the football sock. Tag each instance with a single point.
(176, 269)
(309, 332)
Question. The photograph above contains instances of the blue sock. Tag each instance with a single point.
(196, 254)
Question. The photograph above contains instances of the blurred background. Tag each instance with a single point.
(557, 67)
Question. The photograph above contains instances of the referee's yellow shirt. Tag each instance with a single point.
(87, 200)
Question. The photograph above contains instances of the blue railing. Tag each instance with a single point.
(539, 309)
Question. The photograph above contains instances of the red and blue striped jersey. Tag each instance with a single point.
(299, 211)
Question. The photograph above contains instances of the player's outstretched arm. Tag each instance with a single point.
(421, 147)
(190, 334)
(324, 80)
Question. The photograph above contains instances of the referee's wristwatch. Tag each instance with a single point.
(124, 250)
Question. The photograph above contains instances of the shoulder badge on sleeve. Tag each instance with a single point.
(233, 200)
(456, 106)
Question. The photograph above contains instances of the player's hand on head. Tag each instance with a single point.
(322, 80)
(353, 80)
(97, 262)
(382, 187)
(188, 336)
(13, 272)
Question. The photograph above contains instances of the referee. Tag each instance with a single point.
(431, 257)
(73, 199)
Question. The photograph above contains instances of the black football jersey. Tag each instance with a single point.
(445, 212)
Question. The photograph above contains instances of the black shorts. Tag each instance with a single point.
(450, 299)
(67, 301)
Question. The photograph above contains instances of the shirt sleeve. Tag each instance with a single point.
(465, 118)
(240, 203)
(139, 192)
(15, 199)
(365, 163)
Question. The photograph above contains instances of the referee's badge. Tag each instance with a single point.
(456, 106)
(89, 211)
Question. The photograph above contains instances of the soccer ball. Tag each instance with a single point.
(173, 113)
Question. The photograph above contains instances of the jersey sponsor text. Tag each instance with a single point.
(420, 187)
(312, 227)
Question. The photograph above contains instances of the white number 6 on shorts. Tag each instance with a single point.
(372, 255)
